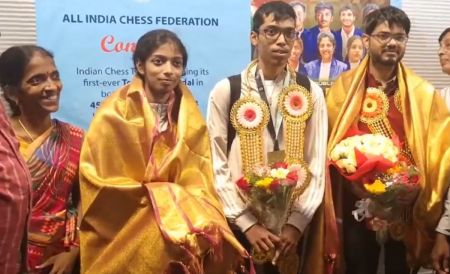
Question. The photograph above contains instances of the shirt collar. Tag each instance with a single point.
(389, 88)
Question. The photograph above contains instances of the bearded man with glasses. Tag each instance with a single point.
(382, 96)
(259, 87)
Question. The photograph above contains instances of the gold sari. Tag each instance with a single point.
(427, 128)
(148, 201)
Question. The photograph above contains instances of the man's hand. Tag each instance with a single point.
(62, 263)
(261, 239)
(359, 191)
(290, 236)
(441, 254)
(407, 198)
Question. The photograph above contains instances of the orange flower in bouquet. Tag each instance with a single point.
(373, 161)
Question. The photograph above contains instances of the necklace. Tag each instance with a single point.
(26, 131)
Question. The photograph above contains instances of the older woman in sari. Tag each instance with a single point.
(51, 150)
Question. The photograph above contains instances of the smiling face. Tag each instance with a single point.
(40, 87)
(347, 18)
(326, 49)
(162, 70)
(273, 49)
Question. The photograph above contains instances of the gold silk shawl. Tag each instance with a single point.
(427, 128)
(149, 207)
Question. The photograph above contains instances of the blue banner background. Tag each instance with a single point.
(214, 51)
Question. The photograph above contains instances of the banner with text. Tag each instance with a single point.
(93, 42)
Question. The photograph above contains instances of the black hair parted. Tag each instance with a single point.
(152, 40)
(14, 61)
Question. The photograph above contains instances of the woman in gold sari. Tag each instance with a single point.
(147, 193)
(51, 149)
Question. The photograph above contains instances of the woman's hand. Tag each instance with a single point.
(62, 263)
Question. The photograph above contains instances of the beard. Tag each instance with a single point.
(386, 61)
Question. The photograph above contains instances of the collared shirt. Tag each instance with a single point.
(15, 189)
(389, 88)
(444, 223)
(324, 74)
(227, 169)
(345, 38)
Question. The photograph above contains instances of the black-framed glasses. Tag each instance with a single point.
(272, 33)
(386, 37)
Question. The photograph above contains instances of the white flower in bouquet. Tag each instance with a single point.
(343, 154)
(261, 171)
(279, 173)
(349, 165)
(340, 152)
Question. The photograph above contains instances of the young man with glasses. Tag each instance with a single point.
(384, 97)
(263, 80)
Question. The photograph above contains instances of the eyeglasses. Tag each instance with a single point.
(272, 33)
(386, 37)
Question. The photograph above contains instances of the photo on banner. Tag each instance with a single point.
(329, 36)
(93, 43)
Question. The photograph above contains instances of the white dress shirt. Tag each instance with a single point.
(345, 38)
(444, 224)
(324, 73)
(228, 169)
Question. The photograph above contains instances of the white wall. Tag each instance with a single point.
(17, 23)
(428, 20)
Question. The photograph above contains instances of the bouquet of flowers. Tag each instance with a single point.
(267, 192)
(385, 188)
(359, 155)
(372, 160)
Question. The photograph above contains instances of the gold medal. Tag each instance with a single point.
(275, 156)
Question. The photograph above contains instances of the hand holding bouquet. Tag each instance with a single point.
(388, 190)
(372, 161)
(267, 192)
